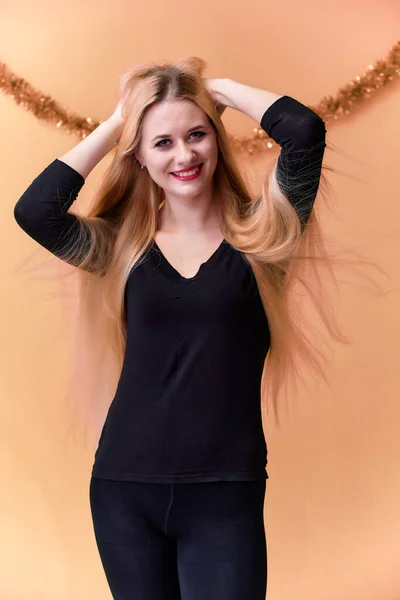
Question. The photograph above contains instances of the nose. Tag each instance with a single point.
(184, 155)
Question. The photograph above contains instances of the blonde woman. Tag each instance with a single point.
(187, 277)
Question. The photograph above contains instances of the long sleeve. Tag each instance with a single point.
(42, 210)
(301, 134)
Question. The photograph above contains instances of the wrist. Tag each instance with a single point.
(114, 125)
(223, 87)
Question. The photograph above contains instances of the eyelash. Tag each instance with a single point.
(202, 134)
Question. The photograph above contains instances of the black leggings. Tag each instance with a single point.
(181, 541)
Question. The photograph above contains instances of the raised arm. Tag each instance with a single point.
(297, 129)
(301, 134)
(43, 209)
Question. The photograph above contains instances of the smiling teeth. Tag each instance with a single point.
(187, 173)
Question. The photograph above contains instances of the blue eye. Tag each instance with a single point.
(159, 143)
(193, 133)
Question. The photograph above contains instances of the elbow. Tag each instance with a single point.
(19, 215)
(26, 222)
(312, 133)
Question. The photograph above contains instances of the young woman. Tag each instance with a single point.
(187, 276)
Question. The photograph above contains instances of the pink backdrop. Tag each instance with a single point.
(332, 503)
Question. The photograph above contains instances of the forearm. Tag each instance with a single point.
(88, 153)
(245, 98)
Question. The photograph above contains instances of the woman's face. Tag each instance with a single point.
(177, 135)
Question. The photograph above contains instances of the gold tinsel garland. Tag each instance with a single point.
(346, 100)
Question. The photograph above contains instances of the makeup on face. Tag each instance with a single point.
(189, 174)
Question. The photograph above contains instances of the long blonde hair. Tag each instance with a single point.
(121, 223)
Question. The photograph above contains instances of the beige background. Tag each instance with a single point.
(332, 504)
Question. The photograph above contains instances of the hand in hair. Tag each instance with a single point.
(219, 99)
(117, 114)
(117, 121)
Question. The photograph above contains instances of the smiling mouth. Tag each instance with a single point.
(189, 173)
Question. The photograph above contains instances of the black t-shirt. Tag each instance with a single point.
(187, 406)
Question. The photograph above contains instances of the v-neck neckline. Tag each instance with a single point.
(172, 273)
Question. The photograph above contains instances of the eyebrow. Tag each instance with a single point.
(165, 135)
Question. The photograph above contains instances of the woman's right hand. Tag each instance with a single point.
(117, 120)
(117, 114)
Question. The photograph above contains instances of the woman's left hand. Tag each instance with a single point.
(217, 96)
